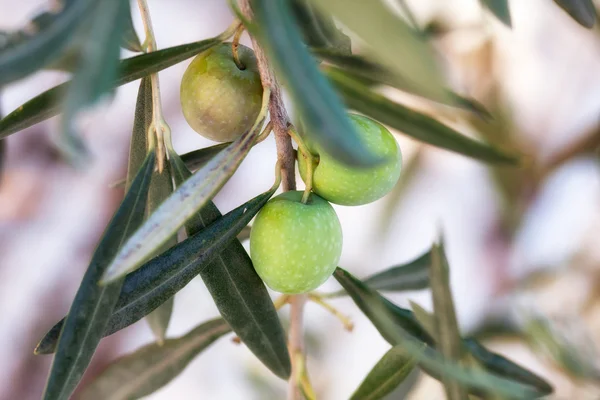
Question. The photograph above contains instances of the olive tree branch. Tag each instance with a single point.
(285, 155)
(158, 128)
(279, 117)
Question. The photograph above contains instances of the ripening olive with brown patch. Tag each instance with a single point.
(352, 186)
(295, 247)
(219, 100)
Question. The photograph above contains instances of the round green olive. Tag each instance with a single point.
(353, 186)
(295, 247)
(219, 100)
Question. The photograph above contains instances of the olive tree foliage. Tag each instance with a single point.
(139, 266)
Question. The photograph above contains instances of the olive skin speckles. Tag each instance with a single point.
(295, 247)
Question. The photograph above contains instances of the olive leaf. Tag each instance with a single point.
(22, 53)
(446, 326)
(381, 313)
(129, 38)
(238, 292)
(97, 67)
(412, 123)
(142, 119)
(389, 372)
(47, 104)
(392, 41)
(160, 278)
(318, 28)
(153, 366)
(178, 208)
(198, 158)
(320, 109)
(582, 11)
(500, 9)
(371, 73)
(492, 362)
(161, 187)
(93, 305)
(413, 275)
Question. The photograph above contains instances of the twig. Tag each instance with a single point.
(286, 156)
(158, 125)
(279, 117)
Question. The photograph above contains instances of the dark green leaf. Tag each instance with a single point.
(130, 39)
(582, 11)
(153, 366)
(413, 275)
(183, 204)
(93, 305)
(163, 276)
(160, 188)
(419, 126)
(500, 9)
(142, 120)
(446, 326)
(492, 362)
(410, 276)
(196, 159)
(318, 28)
(239, 293)
(504, 367)
(96, 70)
(47, 104)
(386, 375)
(320, 109)
(392, 41)
(371, 73)
(380, 312)
(24, 53)
(244, 234)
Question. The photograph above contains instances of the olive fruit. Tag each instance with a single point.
(295, 247)
(219, 100)
(352, 186)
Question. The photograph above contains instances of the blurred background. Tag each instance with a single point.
(522, 242)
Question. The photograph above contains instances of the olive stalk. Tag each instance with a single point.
(158, 127)
(285, 155)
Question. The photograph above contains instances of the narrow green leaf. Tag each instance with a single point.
(409, 276)
(419, 126)
(504, 367)
(389, 372)
(153, 366)
(320, 109)
(24, 53)
(163, 276)
(500, 9)
(130, 39)
(239, 293)
(318, 28)
(371, 73)
(582, 11)
(47, 104)
(178, 208)
(142, 119)
(492, 362)
(413, 275)
(161, 188)
(244, 234)
(95, 73)
(446, 326)
(93, 305)
(380, 312)
(196, 159)
(392, 41)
